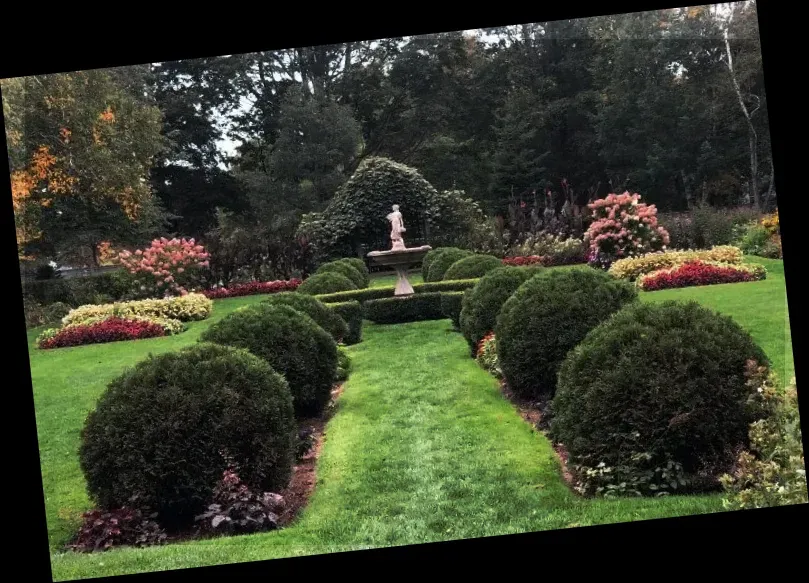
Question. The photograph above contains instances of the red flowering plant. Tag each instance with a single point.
(525, 260)
(623, 227)
(253, 288)
(700, 273)
(167, 267)
(110, 330)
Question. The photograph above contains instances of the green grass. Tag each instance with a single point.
(423, 446)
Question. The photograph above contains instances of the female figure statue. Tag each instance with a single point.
(396, 229)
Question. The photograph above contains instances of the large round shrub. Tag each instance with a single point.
(443, 261)
(546, 317)
(325, 283)
(483, 302)
(344, 269)
(472, 267)
(327, 319)
(157, 435)
(658, 383)
(360, 266)
(430, 257)
(291, 342)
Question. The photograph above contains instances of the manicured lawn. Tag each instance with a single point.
(423, 446)
(385, 279)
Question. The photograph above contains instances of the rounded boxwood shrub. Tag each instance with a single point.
(546, 317)
(429, 258)
(443, 261)
(326, 283)
(291, 342)
(483, 302)
(345, 269)
(360, 266)
(157, 436)
(327, 319)
(658, 385)
(472, 267)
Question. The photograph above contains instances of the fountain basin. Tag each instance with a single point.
(400, 260)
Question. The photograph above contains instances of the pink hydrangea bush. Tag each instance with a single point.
(623, 227)
(168, 267)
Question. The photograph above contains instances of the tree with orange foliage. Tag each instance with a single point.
(81, 147)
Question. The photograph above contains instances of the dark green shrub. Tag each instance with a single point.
(351, 313)
(315, 309)
(483, 302)
(546, 317)
(157, 435)
(325, 283)
(412, 308)
(54, 313)
(472, 267)
(429, 258)
(345, 269)
(291, 342)
(655, 387)
(442, 262)
(359, 265)
(451, 306)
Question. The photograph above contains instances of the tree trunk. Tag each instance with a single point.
(94, 250)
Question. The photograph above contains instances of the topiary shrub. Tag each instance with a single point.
(483, 302)
(430, 257)
(343, 364)
(157, 436)
(451, 303)
(412, 308)
(315, 309)
(351, 313)
(442, 262)
(472, 267)
(659, 394)
(546, 317)
(347, 270)
(359, 265)
(291, 342)
(326, 283)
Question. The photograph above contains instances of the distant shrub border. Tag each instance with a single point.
(252, 288)
(633, 267)
(185, 308)
(697, 273)
(112, 329)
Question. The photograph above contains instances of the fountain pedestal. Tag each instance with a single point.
(400, 260)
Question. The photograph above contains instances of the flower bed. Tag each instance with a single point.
(698, 272)
(184, 308)
(633, 267)
(112, 329)
(252, 288)
(521, 261)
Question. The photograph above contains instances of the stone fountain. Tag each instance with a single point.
(399, 257)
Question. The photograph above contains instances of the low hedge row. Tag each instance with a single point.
(375, 293)
(412, 308)
(351, 313)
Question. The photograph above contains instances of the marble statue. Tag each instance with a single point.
(396, 229)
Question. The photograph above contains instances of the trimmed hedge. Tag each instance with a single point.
(451, 306)
(472, 267)
(326, 283)
(159, 430)
(484, 301)
(546, 317)
(375, 293)
(315, 309)
(291, 342)
(658, 384)
(412, 308)
(359, 279)
(351, 313)
(442, 262)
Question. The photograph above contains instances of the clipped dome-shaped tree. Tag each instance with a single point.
(443, 261)
(483, 302)
(359, 278)
(325, 283)
(291, 342)
(472, 267)
(327, 319)
(157, 436)
(548, 316)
